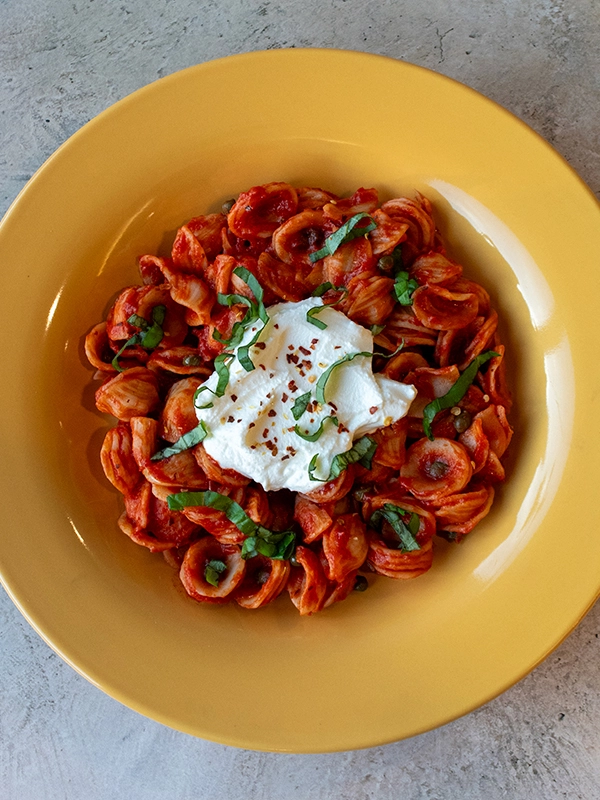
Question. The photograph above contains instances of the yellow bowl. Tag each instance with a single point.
(406, 656)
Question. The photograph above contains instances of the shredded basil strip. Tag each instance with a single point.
(189, 439)
(404, 288)
(362, 451)
(313, 437)
(149, 336)
(197, 393)
(222, 369)
(345, 233)
(321, 383)
(300, 404)
(376, 329)
(456, 393)
(243, 356)
(213, 570)
(279, 545)
(405, 532)
(312, 312)
(256, 309)
(391, 355)
(322, 288)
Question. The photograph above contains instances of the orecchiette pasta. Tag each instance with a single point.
(430, 473)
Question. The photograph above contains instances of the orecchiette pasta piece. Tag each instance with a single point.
(464, 285)
(149, 521)
(440, 309)
(256, 505)
(207, 229)
(480, 339)
(398, 367)
(187, 254)
(141, 536)
(398, 498)
(387, 235)
(394, 563)
(391, 449)
(264, 580)
(403, 326)
(175, 471)
(178, 415)
(192, 292)
(496, 428)
(436, 469)
(179, 360)
(307, 584)
(129, 394)
(336, 592)
(229, 477)
(493, 470)
(221, 321)
(430, 383)
(370, 300)
(420, 236)
(493, 381)
(345, 546)
(299, 236)
(194, 566)
(218, 274)
(312, 518)
(140, 300)
(281, 279)
(258, 212)
(117, 459)
(477, 445)
(434, 267)
(353, 258)
(362, 201)
(215, 521)
(309, 198)
(150, 268)
(460, 513)
(333, 490)
(97, 349)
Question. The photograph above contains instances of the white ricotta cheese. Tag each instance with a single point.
(251, 427)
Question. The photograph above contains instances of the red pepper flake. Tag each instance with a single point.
(338, 347)
(333, 405)
(265, 433)
(269, 394)
(292, 358)
(252, 425)
(307, 364)
(342, 428)
(304, 351)
(276, 326)
(260, 345)
(234, 397)
(373, 409)
(238, 420)
(290, 346)
(283, 458)
(284, 398)
(272, 413)
(302, 373)
(271, 374)
(230, 418)
(292, 386)
(291, 450)
(314, 341)
(262, 366)
(252, 447)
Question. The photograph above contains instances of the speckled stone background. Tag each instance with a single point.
(62, 62)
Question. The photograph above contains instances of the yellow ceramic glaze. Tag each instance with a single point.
(405, 656)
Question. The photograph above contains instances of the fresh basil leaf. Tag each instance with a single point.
(362, 451)
(391, 355)
(376, 329)
(197, 394)
(300, 404)
(250, 281)
(322, 288)
(139, 322)
(257, 537)
(312, 467)
(185, 442)
(213, 570)
(456, 393)
(135, 339)
(222, 369)
(348, 231)
(321, 383)
(396, 517)
(243, 352)
(404, 288)
(366, 460)
(313, 437)
(310, 317)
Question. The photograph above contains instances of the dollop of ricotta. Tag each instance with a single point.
(251, 427)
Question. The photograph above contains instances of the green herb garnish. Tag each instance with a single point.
(185, 442)
(149, 335)
(362, 451)
(222, 364)
(376, 329)
(345, 233)
(321, 383)
(313, 437)
(405, 531)
(276, 545)
(300, 404)
(256, 310)
(456, 393)
(404, 288)
(213, 571)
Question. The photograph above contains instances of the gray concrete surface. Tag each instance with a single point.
(62, 62)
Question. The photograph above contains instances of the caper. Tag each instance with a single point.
(227, 206)
(437, 470)
(262, 576)
(190, 361)
(361, 584)
(294, 561)
(462, 421)
(386, 263)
